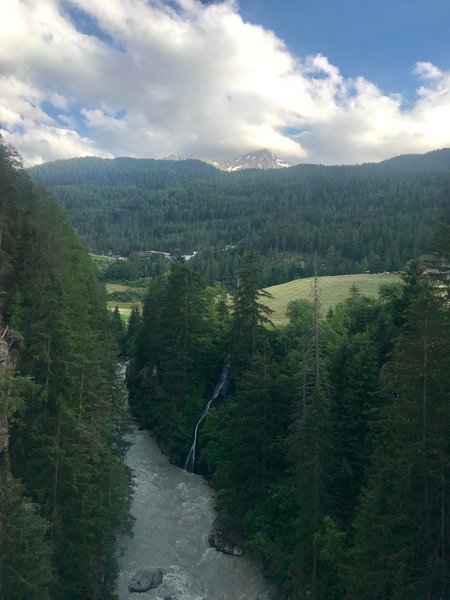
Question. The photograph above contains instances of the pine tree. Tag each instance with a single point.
(252, 425)
(144, 371)
(134, 325)
(311, 449)
(401, 542)
(118, 330)
(183, 324)
(250, 316)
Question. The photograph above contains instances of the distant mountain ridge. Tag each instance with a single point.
(261, 159)
(435, 159)
(264, 160)
(258, 159)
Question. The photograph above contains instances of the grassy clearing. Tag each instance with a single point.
(124, 308)
(119, 287)
(101, 262)
(125, 296)
(131, 288)
(333, 290)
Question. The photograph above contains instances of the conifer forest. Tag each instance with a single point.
(325, 439)
(64, 487)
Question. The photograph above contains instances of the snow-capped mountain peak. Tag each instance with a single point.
(260, 159)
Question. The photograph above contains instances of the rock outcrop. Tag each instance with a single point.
(11, 343)
(146, 580)
(223, 541)
(4, 365)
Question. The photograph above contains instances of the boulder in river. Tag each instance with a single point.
(223, 541)
(146, 580)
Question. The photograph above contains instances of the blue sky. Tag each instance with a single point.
(324, 81)
(379, 39)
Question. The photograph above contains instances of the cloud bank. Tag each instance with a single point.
(158, 77)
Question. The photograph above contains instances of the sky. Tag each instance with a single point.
(319, 81)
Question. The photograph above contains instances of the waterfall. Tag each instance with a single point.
(221, 388)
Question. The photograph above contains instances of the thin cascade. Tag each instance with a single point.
(220, 388)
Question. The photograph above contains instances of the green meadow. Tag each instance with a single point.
(101, 261)
(124, 297)
(332, 291)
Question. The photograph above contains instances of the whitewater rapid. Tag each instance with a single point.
(174, 512)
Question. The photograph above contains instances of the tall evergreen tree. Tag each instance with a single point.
(184, 325)
(118, 330)
(134, 324)
(312, 454)
(401, 542)
(250, 316)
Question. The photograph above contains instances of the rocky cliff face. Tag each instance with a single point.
(7, 362)
(224, 541)
(4, 365)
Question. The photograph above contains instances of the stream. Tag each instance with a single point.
(174, 512)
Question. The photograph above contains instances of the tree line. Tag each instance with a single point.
(355, 218)
(330, 453)
(64, 487)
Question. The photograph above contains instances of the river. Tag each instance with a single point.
(174, 512)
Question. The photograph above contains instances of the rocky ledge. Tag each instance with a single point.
(223, 541)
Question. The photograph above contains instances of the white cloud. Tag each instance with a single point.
(100, 119)
(192, 78)
(42, 143)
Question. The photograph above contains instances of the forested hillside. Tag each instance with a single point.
(370, 217)
(326, 438)
(328, 443)
(64, 488)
